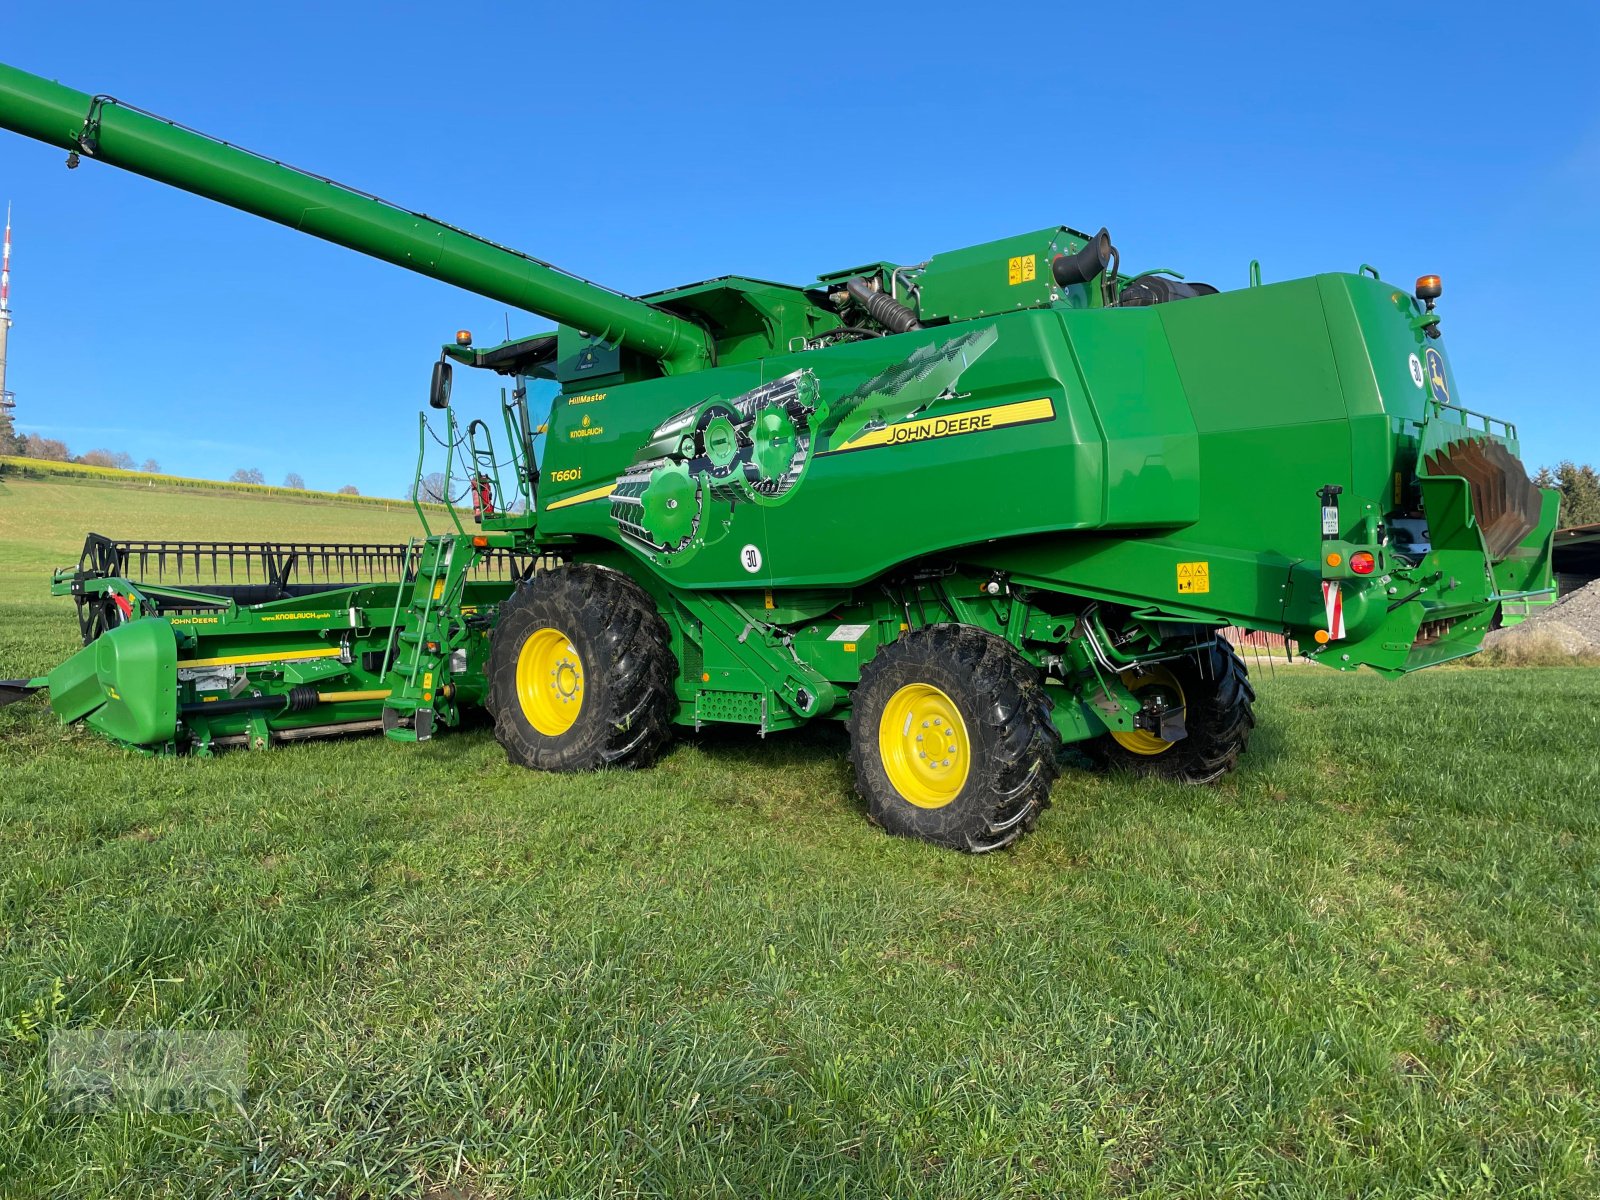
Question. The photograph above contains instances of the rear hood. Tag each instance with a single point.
(1486, 541)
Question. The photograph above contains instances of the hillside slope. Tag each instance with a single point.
(43, 522)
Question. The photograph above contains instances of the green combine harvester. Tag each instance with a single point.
(975, 507)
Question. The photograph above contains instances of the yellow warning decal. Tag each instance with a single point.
(1194, 577)
(581, 497)
(1021, 269)
(978, 420)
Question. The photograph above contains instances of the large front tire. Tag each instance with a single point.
(1213, 689)
(951, 739)
(580, 673)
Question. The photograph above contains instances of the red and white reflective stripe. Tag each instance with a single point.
(1333, 604)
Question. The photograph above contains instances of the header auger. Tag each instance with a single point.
(975, 507)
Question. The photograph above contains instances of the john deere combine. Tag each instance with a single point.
(974, 507)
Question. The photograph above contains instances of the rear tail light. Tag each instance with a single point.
(1362, 563)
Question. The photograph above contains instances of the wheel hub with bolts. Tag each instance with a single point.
(1159, 693)
(550, 681)
(924, 744)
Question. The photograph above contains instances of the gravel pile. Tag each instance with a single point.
(1573, 624)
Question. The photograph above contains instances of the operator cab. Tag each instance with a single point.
(500, 502)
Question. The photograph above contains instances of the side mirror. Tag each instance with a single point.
(439, 387)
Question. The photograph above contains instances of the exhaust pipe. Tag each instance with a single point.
(1092, 260)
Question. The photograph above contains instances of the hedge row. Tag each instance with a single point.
(44, 468)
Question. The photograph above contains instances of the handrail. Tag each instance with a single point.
(1463, 415)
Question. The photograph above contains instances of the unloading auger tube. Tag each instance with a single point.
(105, 129)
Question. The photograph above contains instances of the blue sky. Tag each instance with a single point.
(658, 144)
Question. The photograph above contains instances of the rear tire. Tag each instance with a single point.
(580, 673)
(983, 709)
(1219, 714)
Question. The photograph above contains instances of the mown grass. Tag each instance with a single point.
(1365, 964)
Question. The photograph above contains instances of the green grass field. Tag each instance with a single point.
(1367, 964)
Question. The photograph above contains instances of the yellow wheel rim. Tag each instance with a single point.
(1154, 684)
(550, 681)
(924, 745)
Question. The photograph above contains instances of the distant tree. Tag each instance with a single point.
(247, 475)
(99, 458)
(122, 460)
(349, 489)
(294, 480)
(150, 465)
(431, 489)
(10, 443)
(1579, 485)
(35, 446)
(1580, 493)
